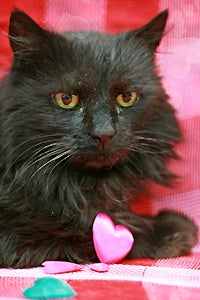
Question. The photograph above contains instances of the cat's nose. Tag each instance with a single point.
(104, 139)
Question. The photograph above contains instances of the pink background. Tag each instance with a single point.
(178, 59)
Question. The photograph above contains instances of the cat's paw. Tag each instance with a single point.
(175, 234)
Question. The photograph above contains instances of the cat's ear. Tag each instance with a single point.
(24, 32)
(152, 32)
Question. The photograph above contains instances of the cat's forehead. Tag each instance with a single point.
(94, 61)
(105, 55)
(91, 47)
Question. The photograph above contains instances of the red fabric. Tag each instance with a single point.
(101, 290)
(6, 7)
(129, 14)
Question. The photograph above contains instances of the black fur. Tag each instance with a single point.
(59, 168)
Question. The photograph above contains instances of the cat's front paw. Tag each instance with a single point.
(175, 234)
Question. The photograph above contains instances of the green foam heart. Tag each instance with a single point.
(49, 287)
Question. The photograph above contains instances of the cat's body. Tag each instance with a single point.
(85, 125)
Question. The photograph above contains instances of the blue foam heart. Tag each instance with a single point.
(49, 287)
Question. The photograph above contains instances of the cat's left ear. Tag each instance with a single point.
(152, 32)
(24, 33)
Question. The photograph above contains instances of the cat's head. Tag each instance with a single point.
(88, 99)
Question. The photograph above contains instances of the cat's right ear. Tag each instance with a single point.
(152, 32)
(24, 33)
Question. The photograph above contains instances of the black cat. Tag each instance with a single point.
(85, 125)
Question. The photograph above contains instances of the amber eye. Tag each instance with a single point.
(127, 99)
(66, 101)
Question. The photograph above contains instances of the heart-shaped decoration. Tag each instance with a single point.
(56, 267)
(49, 287)
(99, 267)
(112, 242)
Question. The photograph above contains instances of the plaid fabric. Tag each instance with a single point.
(179, 62)
(164, 279)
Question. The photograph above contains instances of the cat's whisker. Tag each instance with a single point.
(42, 139)
(25, 151)
(27, 166)
(44, 156)
(150, 145)
(128, 158)
(147, 149)
(40, 153)
(33, 155)
(153, 148)
(33, 160)
(146, 131)
(49, 161)
(65, 159)
(37, 153)
(110, 195)
(67, 155)
(149, 139)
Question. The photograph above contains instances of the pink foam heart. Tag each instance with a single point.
(99, 267)
(56, 267)
(112, 242)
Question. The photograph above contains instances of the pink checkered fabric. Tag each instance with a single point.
(179, 62)
(179, 275)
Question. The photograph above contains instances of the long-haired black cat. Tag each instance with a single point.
(85, 125)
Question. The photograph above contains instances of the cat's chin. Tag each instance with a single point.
(98, 165)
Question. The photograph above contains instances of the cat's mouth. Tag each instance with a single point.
(101, 161)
